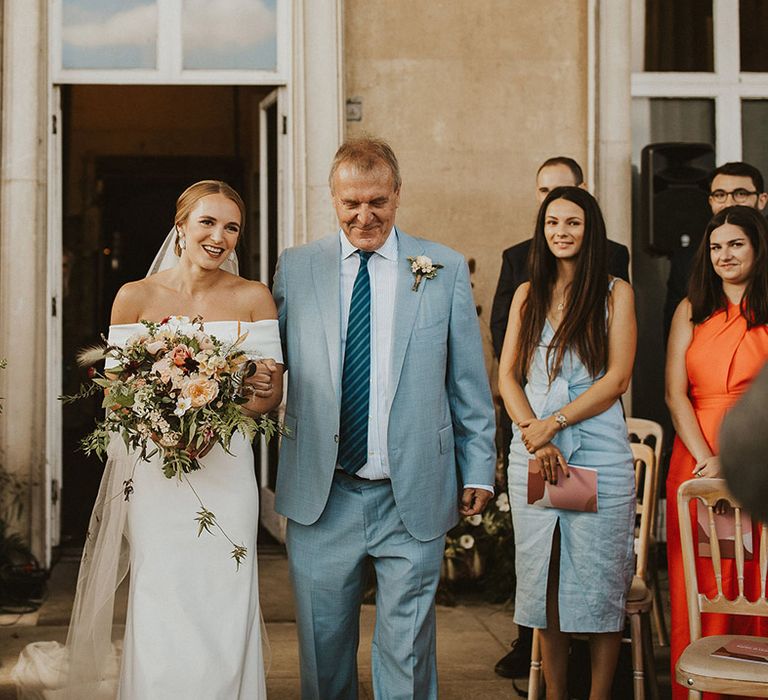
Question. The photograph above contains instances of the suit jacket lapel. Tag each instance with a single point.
(326, 271)
(406, 303)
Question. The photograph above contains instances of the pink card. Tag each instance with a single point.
(745, 648)
(578, 492)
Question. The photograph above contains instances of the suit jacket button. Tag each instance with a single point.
(335, 438)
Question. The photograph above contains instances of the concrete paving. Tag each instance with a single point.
(472, 636)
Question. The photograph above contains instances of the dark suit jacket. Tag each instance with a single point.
(514, 271)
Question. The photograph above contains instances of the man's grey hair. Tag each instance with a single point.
(366, 153)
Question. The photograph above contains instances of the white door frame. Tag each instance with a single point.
(270, 519)
(53, 444)
(278, 96)
(264, 181)
(53, 479)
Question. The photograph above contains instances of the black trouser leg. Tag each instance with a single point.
(525, 636)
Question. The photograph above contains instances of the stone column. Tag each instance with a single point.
(23, 236)
(318, 112)
(613, 183)
(613, 166)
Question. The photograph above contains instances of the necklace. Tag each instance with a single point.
(561, 304)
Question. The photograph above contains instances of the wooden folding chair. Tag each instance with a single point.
(651, 433)
(697, 668)
(640, 598)
(640, 601)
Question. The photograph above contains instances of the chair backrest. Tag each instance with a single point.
(648, 432)
(710, 491)
(646, 477)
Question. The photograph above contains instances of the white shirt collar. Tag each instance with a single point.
(388, 250)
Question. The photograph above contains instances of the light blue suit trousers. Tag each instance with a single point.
(327, 568)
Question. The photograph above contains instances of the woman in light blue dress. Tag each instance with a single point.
(567, 359)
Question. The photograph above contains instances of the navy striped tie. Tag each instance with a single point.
(356, 375)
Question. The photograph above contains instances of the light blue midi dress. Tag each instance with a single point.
(596, 549)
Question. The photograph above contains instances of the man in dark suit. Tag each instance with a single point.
(554, 172)
(730, 184)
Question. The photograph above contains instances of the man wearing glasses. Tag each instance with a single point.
(730, 184)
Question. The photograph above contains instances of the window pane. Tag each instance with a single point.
(682, 120)
(678, 35)
(104, 34)
(230, 34)
(753, 26)
(659, 120)
(754, 117)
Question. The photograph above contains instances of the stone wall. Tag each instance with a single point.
(472, 96)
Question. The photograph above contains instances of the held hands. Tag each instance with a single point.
(258, 385)
(537, 432)
(549, 457)
(473, 501)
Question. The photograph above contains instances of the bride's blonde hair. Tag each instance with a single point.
(194, 193)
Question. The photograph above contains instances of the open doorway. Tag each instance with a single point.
(128, 152)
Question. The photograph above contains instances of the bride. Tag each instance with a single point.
(193, 625)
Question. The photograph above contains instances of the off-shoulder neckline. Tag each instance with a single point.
(205, 323)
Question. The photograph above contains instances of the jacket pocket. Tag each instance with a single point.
(445, 436)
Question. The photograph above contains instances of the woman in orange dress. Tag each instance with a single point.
(717, 345)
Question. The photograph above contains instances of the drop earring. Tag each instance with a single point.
(182, 243)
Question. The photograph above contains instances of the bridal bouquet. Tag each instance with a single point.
(173, 389)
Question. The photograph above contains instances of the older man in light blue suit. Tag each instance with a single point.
(390, 430)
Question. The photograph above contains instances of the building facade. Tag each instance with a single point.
(110, 108)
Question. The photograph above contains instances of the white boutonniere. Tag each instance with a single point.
(422, 267)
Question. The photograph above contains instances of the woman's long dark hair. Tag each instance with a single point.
(705, 288)
(583, 327)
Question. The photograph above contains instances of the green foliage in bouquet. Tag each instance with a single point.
(173, 388)
(480, 551)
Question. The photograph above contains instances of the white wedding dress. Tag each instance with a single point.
(193, 625)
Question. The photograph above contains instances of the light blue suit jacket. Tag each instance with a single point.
(441, 420)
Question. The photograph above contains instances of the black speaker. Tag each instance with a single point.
(673, 194)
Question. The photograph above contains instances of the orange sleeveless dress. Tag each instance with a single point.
(722, 360)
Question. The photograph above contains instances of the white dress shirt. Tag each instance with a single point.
(382, 270)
